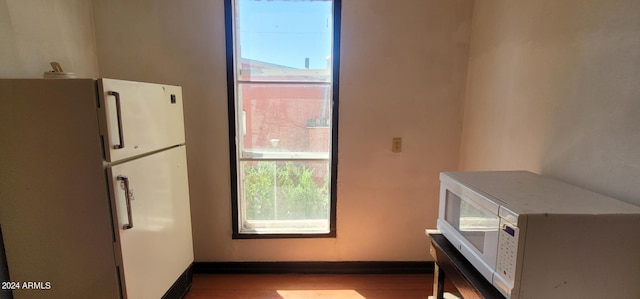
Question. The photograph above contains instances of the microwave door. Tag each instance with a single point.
(477, 225)
(472, 228)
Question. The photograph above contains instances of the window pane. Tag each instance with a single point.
(283, 40)
(286, 190)
(283, 109)
(286, 120)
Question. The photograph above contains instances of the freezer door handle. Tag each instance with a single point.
(119, 118)
(128, 197)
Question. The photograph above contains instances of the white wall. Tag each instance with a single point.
(553, 88)
(402, 75)
(36, 32)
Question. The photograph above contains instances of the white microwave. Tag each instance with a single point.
(535, 237)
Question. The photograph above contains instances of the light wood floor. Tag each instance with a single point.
(312, 286)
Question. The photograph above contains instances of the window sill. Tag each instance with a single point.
(263, 229)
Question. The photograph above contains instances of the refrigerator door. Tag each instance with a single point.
(153, 221)
(137, 118)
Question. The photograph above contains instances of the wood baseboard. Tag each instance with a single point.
(378, 267)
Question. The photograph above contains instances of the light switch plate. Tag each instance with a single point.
(396, 145)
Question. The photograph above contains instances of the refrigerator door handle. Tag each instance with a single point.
(128, 197)
(119, 117)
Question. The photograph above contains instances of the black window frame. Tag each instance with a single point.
(335, 73)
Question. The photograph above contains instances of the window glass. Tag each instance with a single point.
(472, 222)
(284, 40)
(293, 118)
(284, 61)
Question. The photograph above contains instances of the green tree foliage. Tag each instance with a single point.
(299, 194)
(259, 191)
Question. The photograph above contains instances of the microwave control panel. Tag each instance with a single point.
(507, 251)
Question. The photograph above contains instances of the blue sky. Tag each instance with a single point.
(286, 32)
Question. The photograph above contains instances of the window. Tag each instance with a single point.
(282, 74)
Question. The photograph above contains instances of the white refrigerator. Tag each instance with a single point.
(94, 199)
